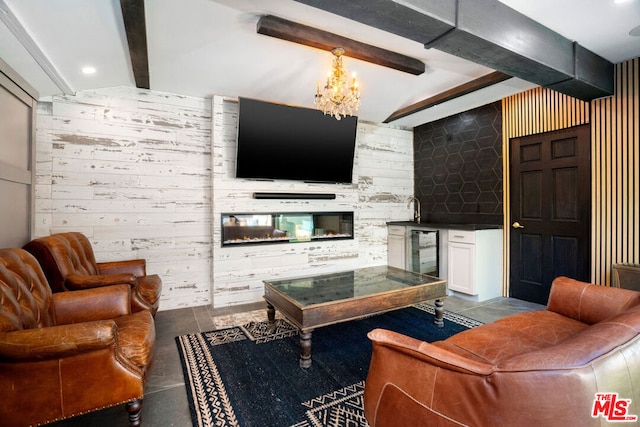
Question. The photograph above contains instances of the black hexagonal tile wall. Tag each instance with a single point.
(458, 166)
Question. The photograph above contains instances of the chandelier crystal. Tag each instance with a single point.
(339, 97)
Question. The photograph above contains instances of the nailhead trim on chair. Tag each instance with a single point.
(75, 414)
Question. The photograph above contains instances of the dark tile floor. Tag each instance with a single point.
(165, 402)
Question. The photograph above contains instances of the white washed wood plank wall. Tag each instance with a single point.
(131, 170)
(383, 181)
(147, 174)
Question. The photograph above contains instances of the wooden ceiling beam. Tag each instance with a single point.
(273, 26)
(458, 91)
(136, 29)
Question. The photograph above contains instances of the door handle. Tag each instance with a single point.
(517, 225)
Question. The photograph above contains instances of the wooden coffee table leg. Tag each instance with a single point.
(271, 313)
(439, 320)
(305, 349)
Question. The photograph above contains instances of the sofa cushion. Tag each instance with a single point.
(512, 336)
(582, 348)
(543, 324)
(491, 343)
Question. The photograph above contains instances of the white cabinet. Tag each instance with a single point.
(396, 246)
(474, 263)
(470, 260)
(461, 266)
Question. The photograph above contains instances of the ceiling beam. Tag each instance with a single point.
(273, 26)
(468, 29)
(422, 22)
(136, 29)
(458, 91)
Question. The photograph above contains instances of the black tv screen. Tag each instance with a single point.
(278, 141)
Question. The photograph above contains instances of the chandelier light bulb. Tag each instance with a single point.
(338, 97)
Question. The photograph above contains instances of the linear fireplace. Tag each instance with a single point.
(290, 227)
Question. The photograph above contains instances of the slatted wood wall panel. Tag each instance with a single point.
(615, 127)
(538, 110)
(615, 162)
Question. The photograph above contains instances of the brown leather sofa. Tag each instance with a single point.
(540, 368)
(69, 264)
(68, 353)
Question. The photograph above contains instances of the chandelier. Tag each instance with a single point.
(339, 97)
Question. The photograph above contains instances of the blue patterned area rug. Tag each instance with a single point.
(248, 375)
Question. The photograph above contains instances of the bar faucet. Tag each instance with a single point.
(416, 208)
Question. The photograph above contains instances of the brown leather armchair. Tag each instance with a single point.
(539, 368)
(69, 264)
(68, 353)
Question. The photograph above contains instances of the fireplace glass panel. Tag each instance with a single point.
(249, 228)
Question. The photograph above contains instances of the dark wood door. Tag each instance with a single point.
(550, 210)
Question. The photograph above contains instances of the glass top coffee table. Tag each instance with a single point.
(314, 301)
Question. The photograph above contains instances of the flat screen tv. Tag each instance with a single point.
(278, 141)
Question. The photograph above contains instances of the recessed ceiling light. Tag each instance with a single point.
(635, 31)
(621, 1)
(88, 70)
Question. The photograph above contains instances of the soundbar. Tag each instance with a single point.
(299, 196)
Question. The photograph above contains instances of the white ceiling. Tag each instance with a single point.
(210, 47)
